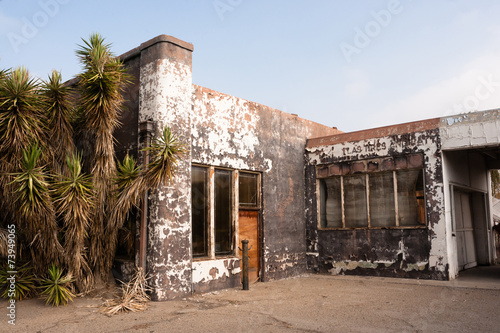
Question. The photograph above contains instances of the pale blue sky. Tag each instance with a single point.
(349, 64)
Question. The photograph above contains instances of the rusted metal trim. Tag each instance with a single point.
(145, 130)
(235, 204)
(342, 200)
(211, 212)
(375, 133)
(367, 184)
(396, 204)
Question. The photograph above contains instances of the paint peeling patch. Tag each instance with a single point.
(210, 275)
(343, 266)
(457, 119)
(207, 270)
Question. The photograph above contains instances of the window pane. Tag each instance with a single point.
(382, 207)
(199, 208)
(248, 189)
(355, 201)
(223, 212)
(410, 186)
(330, 203)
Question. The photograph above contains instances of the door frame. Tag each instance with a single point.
(259, 208)
(478, 206)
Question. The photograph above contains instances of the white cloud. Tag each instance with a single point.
(475, 87)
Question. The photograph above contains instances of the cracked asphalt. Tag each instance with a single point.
(310, 303)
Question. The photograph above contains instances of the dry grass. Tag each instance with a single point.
(134, 296)
(4, 242)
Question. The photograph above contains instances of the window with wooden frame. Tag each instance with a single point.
(368, 195)
(249, 190)
(214, 210)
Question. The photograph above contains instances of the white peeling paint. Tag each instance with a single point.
(211, 270)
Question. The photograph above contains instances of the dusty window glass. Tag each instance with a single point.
(410, 186)
(330, 203)
(199, 208)
(355, 205)
(248, 191)
(382, 207)
(223, 212)
(420, 199)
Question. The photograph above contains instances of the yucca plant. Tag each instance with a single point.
(57, 99)
(132, 182)
(22, 117)
(74, 202)
(56, 288)
(24, 284)
(100, 87)
(21, 122)
(36, 213)
(128, 190)
(165, 153)
(51, 201)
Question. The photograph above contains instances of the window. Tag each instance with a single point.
(248, 190)
(199, 208)
(213, 208)
(387, 198)
(223, 212)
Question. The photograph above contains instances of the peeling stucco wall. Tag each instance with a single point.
(463, 137)
(209, 275)
(223, 131)
(165, 98)
(235, 133)
(404, 252)
(468, 130)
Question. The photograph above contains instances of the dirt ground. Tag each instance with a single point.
(310, 303)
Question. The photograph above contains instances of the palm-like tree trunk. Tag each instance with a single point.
(101, 85)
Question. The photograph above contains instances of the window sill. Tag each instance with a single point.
(377, 228)
(195, 259)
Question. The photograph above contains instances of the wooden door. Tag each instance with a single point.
(466, 247)
(249, 229)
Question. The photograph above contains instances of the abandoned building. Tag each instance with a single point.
(408, 200)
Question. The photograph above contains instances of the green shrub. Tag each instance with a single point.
(56, 289)
(24, 284)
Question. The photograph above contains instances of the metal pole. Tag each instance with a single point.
(245, 263)
(145, 129)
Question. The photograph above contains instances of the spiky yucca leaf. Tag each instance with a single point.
(32, 187)
(129, 188)
(56, 288)
(21, 112)
(100, 85)
(74, 202)
(35, 208)
(24, 283)
(21, 122)
(3, 73)
(57, 98)
(165, 153)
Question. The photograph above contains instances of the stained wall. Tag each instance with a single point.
(391, 251)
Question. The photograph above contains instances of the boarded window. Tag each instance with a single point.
(382, 208)
(410, 188)
(248, 191)
(331, 210)
(372, 199)
(199, 208)
(223, 212)
(356, 214)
